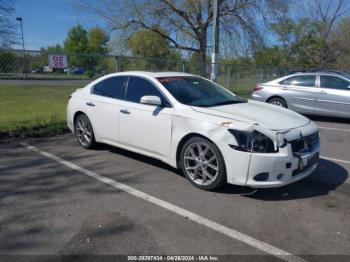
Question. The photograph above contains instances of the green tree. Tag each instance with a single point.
(145, 43)
(269, 56)
(97, 48)
(340, 42)
(301, 44)
(156, 49)
(8, 62)
(87, 49)
(326, 15)
(76, 41)
(52, 49)
(97, 41)
(306, 49)
(195, 64)
(310, 41)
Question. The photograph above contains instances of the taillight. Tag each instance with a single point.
(257, 88)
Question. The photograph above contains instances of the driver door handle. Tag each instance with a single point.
(323, 92)
(125, 111)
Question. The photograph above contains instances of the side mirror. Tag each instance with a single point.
(151, 100)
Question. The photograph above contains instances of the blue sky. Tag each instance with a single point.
(46, 22)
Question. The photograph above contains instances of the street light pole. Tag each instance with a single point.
(20, 21)
(24, 52)
(215, 40)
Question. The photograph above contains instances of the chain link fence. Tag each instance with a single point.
(32, 93)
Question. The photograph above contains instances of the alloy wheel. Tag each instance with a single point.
(201, 163)
(83, 131)
(277, 103)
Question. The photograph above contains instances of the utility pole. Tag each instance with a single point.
(215, 40)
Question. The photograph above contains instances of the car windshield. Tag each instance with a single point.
(196, 91)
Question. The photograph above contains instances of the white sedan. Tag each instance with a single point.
(191, 123)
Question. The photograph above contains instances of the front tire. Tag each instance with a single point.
(84, 132)
(277, 101)
(202, 163)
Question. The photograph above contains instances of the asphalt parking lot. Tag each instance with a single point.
(57, 198)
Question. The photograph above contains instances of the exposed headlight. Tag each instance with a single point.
(254, 142)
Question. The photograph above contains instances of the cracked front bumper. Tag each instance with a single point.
(283, 167)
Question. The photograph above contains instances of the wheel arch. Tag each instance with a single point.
(92, 143)
(277, 96)
(187, 137)
(184, 140)
(76, 114)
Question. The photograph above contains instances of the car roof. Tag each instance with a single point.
(328, 73)
(151, 74)
(306, 72)
(316, 71)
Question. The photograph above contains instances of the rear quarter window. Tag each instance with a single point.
(112, 87)
(303, 80)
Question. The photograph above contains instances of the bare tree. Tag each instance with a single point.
(187, 22)
(341, 38)
(327, 14)
(7, 33)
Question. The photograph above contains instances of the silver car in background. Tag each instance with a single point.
(325, 93)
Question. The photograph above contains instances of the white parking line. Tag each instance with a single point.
(274, 251)
(334, 128)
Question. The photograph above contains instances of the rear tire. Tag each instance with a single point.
(277, 101)
(83, 132)
(202, 163)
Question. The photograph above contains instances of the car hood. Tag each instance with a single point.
(265, 115)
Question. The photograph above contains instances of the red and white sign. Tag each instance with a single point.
(58, 61)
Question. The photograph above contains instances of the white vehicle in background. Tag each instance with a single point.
(198, 126)
(313, 92)
(47, 69)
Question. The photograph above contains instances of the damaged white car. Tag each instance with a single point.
(191, 123)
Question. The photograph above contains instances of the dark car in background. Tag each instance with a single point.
(75, 71)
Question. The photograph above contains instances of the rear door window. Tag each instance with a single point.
(303, 80)
(112, 87)
(334, 82)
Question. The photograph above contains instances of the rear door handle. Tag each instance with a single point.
(285, 88)
(323, 92)
(125, 111)
(90, 104)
